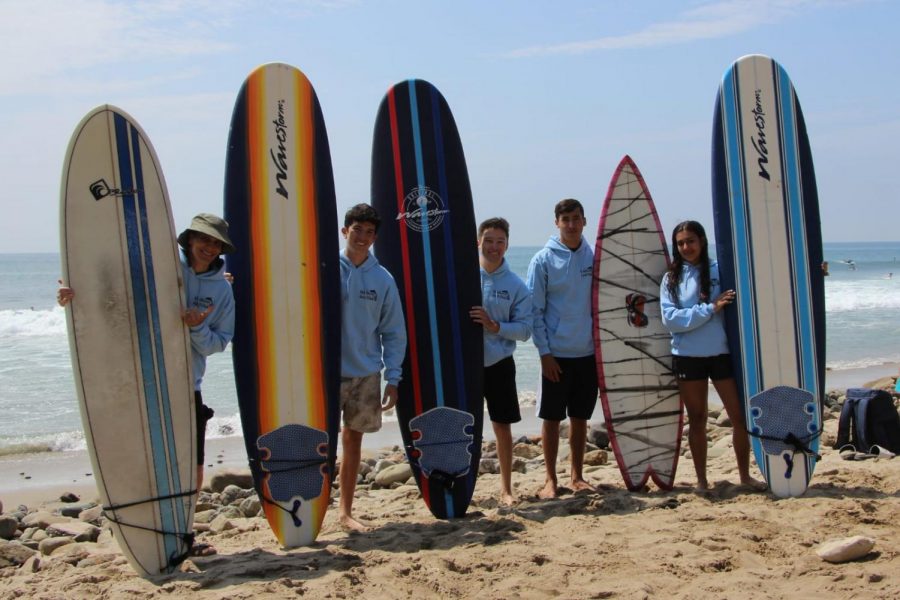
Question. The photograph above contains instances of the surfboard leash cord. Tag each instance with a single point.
(298, 465)
(446, 480)
(186, 537)
(799, 444)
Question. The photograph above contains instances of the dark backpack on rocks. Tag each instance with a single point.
(868, 418)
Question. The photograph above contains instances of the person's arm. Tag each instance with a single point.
(519, 324)
(679, 320)
(537, 284)
(212, 334)
(392, 330)
(64, 294)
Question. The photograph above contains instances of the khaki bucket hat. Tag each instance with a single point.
(212, 226)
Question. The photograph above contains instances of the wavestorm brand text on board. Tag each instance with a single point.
(280, 159)
(759, 116)
(423, 204)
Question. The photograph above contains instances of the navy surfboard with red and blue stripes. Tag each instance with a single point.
(427, 240)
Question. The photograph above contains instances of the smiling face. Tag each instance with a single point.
(689, 245)
(570, 225)
(203, 250)
(492, 244)
(360, 236)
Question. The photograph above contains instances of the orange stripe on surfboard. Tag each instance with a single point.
(312, 291)
(259, 235)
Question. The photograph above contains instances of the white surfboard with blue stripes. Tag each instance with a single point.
(769, 249)
(130, 350)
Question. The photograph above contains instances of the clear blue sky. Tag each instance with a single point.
(547, 96)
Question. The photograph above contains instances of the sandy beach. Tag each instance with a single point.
(729, 543)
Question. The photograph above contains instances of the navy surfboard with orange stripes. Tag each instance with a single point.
(427, 240)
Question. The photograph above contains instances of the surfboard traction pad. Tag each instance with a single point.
(779, 412)
(441, 442)
(292, 456)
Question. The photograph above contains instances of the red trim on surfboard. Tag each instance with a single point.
(650, 472)
(407, 279)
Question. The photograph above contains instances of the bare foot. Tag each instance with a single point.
(580, 484)
(507, 500)
(548, 491)
(755, 485)
(348, 523)
(702, 487)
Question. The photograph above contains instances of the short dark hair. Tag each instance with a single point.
(568, 205)
(494, 223)
(362, 213)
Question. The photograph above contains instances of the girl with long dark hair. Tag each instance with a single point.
(691, 300)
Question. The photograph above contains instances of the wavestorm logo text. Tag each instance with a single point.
(759, 143)
(423, 210)
(280, 159)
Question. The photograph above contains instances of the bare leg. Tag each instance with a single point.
(201, 548)
(694, 395)
(351, 442)
(727, 390)
(550, 444)
(503, 433)
(577, 442)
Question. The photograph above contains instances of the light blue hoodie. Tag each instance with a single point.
(560, 282)
(697, 329)
(507, 301)
(214, 333)
(373, 334)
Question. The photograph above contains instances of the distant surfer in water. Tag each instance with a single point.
(373, 336)
(692, 301)
(505, 315)
(560, 279)
(209, 314)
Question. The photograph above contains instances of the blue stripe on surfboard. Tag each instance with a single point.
(138, 268)
(743, 261)
(792, 187)
(461, 399)
(426, 249)
(808, 359)
(156, 325)
(429, 277)
(462, 403)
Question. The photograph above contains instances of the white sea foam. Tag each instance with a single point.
(863, 363)
(65, 441)
(19, 323)
(224, 426)
(847, 296)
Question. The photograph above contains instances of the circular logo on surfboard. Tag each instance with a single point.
(423, 209)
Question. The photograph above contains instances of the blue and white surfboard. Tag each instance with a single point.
(130, 350)
(769, 248)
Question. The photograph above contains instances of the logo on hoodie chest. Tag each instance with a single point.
(423, 210)
(202, 302)
(370, 295)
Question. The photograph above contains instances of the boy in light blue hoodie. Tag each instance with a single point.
(373, 335)
(559, 277)
(505, 315)
(209, 313)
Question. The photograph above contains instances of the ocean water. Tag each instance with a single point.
(37, 392)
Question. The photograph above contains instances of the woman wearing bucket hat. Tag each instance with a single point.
(209, 301)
